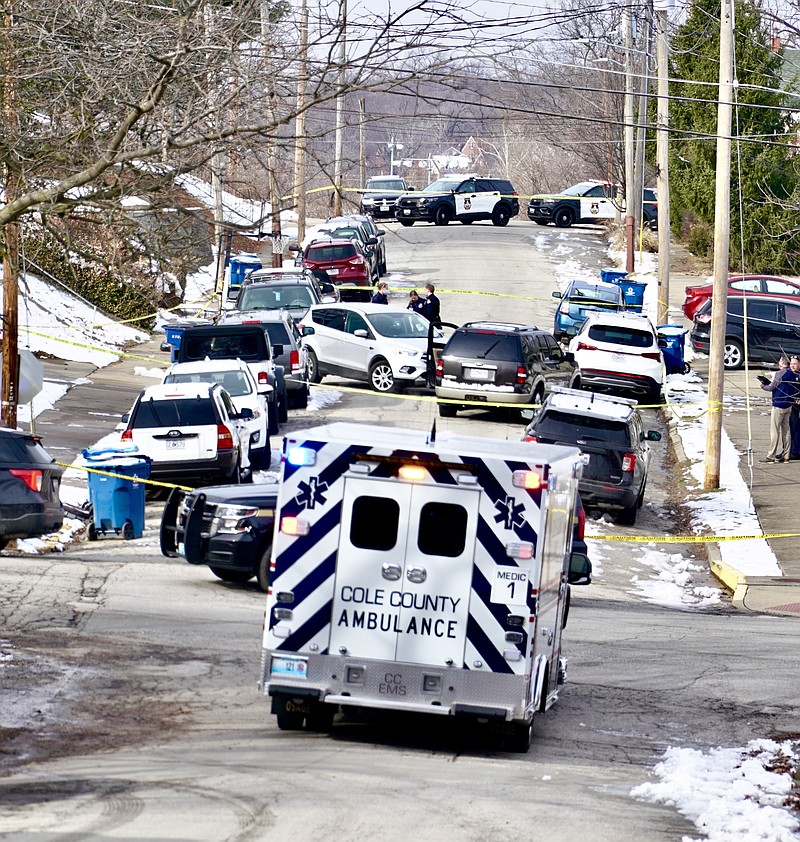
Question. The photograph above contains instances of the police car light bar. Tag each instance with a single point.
(531, 480)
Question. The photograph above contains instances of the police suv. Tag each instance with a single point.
(589, 201)
(464, 198)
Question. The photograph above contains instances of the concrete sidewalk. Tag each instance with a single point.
(774, 486)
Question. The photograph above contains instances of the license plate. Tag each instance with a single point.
(617, 357)
(407, 211)
(176, 445)
(332, 271)
(475, 398)
(480, 373)
(384, 207)
(290, 667)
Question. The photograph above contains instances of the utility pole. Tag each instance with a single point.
(630, 196)
(337, 163)
(722, 235)
(661, 8)
(300, 127)
(272, 157)
(362, 146)
(641, 128)
(10, 231)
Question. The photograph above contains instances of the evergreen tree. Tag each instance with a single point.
(763, 177)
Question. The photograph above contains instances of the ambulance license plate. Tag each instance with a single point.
(289, 667)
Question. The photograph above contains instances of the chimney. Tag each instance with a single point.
(776, 43)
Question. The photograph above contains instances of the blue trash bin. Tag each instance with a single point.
(117, 501)
(611, 276)
(672, 339)
(632, 293)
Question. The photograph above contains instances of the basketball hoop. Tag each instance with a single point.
(279, 244)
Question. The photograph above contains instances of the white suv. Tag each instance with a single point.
(191, 431)
(385, 345)
(236, 378)
(619, 351)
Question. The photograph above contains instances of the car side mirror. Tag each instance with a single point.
(653, 435)
(580, 569)
(246, 414)
(379, 232)
(307, 330)
(569, 356)
(277, 350)
(372, 241)
(295, 247)
(555, 294)
(125, 418)
(361, 333)
(233, 293)
(662, 343)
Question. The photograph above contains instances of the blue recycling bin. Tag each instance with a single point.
(174, 333)
(239, 266)
(672, 340)
(632, 293)
(117, 501)
(611, 276)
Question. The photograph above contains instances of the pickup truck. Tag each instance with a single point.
(226, 527)
(249, 343)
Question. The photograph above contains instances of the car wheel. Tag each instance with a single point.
(300, 398)
(564, 218)
(290, 721)
(538, 397)
(261, 459)
(272, 419)
(541, 221)
(381, 377)
(262, 571)
(466, 221)
(733, 355)
(283, 409)
(442, 215)
(320, 717)
(501, 215)
(313, 368)
(237, 576)
(627, 517)
(519, 740)
(406, 223)
(383, 270)
(448, 410)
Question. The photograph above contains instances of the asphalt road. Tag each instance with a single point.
(128, 701)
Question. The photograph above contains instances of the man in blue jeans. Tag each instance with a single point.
(784, 387)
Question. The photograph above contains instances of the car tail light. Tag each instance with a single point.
(263, 378)
(564, 309)
(628, 462)
(127, 435)
(703, 318)
(294, 360)
(653, 356)
(585, 346)
(356, 261)
(522, 375)
(31, 477)
(530, 438)
(224, 438)
(581, 522)
(439, 368)
(250, 322)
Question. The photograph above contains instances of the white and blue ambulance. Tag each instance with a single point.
(412, 572)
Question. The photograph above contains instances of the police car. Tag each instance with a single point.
(589, 201)
(467, 198)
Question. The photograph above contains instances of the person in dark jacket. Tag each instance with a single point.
(433, 307)
(382, 294)
(784, 386)
(415, 303)
(794, 418)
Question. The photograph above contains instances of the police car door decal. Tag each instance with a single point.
(369, 570)
(435, 593)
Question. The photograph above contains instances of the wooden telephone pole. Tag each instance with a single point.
(662, 158)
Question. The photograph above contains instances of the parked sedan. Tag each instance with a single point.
(756, 285)
(29, 486)
(765, 331)
(382, 344)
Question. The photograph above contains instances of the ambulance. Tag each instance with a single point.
(420, 573)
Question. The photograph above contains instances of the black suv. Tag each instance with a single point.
(609, 431)
(29, 485)
(466, 199)
(498, 362)
(227, 527)
(773, 329)
(380, 194)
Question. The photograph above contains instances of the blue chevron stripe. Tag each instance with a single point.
(309, 630)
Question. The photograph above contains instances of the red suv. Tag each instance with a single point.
(344, 263)
(696, 296)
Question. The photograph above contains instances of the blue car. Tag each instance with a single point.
(581, 298)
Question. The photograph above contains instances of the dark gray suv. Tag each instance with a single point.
(499, 362)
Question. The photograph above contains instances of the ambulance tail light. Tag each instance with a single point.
(519, 549)
(530, 480)
(301, 456)
(294, 526)
(581, 523)
(412, 473)
(628, 463)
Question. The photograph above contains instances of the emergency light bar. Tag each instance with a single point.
(301, 456)
(530, 480)
(414, 473)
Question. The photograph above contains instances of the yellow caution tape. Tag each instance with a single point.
(691, 539)
(89, 470)
(112, 351)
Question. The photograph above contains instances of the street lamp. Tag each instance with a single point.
(393, 147)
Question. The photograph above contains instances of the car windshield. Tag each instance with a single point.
(342, 233)
(560, 426)
(443, 185)
(579, 189)
(387, 184)
(277, 332)
(595, 293)
(223, 346)
(235, 383)
(327, 254)
(400, 325)
(621, 335)
(16, 449)
(276, 296)
(483, 345)
(188, 412)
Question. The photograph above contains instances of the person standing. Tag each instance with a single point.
(415, 303)
(794, 417)
(783, 386)
(433, 307)
(382, 294)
